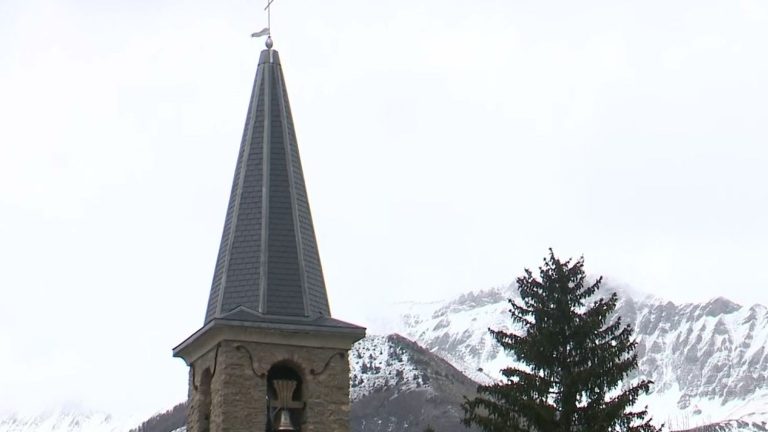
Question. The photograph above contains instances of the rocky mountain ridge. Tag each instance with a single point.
(708, 360)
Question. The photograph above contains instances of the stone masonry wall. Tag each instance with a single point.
(239, 387)
(198, 413)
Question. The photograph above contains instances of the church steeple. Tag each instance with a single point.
(268, 262)
(269, 356)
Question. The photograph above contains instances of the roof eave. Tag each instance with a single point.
(333, 334)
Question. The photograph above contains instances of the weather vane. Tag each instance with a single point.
(266, 31)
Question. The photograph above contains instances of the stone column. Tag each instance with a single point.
(328, 393)
(199, 410)
(238, 396)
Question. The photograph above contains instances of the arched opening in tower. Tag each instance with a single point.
(204, 401)
(285, 406)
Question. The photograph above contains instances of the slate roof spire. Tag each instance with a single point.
(268, 267)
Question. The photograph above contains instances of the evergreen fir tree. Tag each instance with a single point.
(574, 361)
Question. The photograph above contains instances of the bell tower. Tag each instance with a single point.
(269, 356)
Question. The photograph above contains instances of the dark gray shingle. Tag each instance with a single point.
(268, 260)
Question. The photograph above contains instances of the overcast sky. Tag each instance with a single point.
(446, 145)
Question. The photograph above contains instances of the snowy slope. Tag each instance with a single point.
(399, 386)
(708, 361)
(65, 421)
(380, 363)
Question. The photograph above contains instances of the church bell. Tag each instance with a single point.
(285, 421)
(284, 389)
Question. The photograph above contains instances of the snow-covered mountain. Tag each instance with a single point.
(65, 420)
(379, 363)
(396, 385)
(708, 361)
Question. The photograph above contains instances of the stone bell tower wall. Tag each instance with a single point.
(238, 387)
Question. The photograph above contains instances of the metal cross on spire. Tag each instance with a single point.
(267, 31)
(268, 8)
